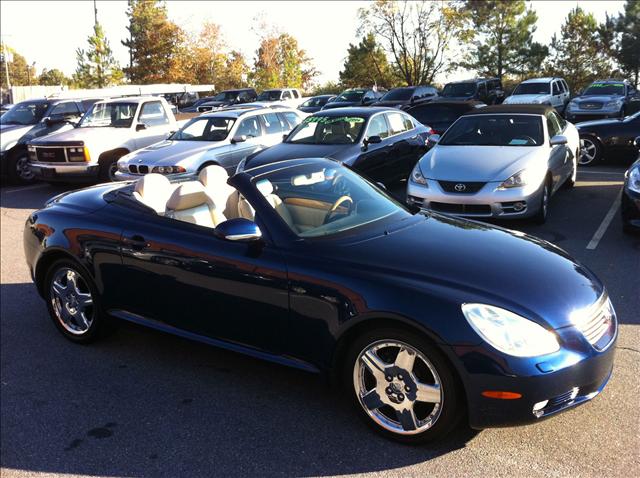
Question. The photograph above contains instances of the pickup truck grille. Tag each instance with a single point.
(51, 155)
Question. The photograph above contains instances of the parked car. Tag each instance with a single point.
(541, 91)
(486, 90)
(601, 99)
(315, 103)
(426, 321)
(354, 97)
(222, 137)
(108, 131)
(405, 96)
(608, 138)
(5, 107)
(229, 98)
(501, 161)
(29, 120)
(630, 206)
(194, 107)
(285, 96)
(439, 115)
(381, 143)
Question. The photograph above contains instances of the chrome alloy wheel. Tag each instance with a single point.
(23, 170)
(398, 387)
(71, 300)
(588, 151)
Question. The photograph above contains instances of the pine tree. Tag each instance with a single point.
(96, 65)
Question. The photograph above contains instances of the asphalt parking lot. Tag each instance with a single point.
(142, 403)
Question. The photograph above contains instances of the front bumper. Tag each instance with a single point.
(65, 171)
(577, 116)
(488, 202)
(565, 379)
(630, 209)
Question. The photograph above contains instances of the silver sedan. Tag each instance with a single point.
(501, 161)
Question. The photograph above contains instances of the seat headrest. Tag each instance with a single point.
(265, 187)
(187, 196)
(213, 176)
(153, 183)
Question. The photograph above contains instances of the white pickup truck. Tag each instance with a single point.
(108, 131)
(290, 97)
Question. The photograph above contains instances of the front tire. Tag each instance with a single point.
(543, 208)
(590, 152)
(18, 168)
(403, 386)
(73, 302)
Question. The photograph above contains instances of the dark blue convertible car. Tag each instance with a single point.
(427, 321)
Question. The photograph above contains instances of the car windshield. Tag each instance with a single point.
(454, 90)
(269, 95)
(204, 129)
(225, 96)
(340, 199)
(596, 89)
(495, 130)
(351, 95)
(398, 94)
(436, 113)
(537, 88)
(316, 101)
(25, 113)
(114, 115)
(327, 130)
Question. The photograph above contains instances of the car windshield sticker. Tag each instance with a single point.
(334, 119)
(518, 142)
(604, 85)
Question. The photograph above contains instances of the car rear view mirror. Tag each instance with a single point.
(239, 230)
(240, 138)
(434, 138)
(558, 140)
(374, 139)
(141, 127)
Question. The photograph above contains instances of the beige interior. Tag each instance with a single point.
(214, 179)
(153, 190)
(191, 203)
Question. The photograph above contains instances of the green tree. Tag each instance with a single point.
(628, 50)
(20, 72)
(280, 62)
(577, 54)
(366, 64)
(503, 39)
(96, 66)
(328, 88)
(416, 35)
(156, 44)
(53, 77)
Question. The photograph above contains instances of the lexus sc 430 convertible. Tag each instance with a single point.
(427, 321)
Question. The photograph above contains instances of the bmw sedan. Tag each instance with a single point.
(381, 143)
(306, 264)
(500, 161)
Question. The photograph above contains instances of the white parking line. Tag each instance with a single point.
(26, 188)
(595, 240)
(617, 173)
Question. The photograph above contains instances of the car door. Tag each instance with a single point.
(273, 128)
(156, 122)
(560, 158)
(372, 161)
(251, 128)
(404, 147)
(184, 277)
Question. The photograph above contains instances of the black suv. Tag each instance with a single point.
(486, 90)
(32, 119)
(406, 96)
(354, 97)
(229, 98)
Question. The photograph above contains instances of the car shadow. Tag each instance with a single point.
(32, 196)
(144, 403)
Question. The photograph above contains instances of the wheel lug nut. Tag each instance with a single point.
(407, 388)
(388, 390)
(400, 397)
(399, 377)
(389, 378)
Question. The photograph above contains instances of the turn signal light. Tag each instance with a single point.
(501, 395)
(87, 158)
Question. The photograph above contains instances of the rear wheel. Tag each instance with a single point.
(403, 386)
(590, 152)
(18, 168)
(543, 208)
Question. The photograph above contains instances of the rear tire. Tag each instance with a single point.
(590, 152)
(108, 168)
(543, 208)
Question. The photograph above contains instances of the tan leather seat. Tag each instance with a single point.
(266, 188)
(225, 197)
(191, 203)
(153, 190)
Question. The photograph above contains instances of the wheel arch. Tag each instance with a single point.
(112, 154)
(45, 261)
(209, 162)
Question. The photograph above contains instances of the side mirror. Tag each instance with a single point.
(285, 136)
(636, 142)
(241, 138)
(434, 138)
(373, 139)
(239, 229)
(558, 140)
(141, 127)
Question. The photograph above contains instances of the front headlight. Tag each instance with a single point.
(521, 178)
(417, 176)
(168, 169)
(508, 332)
(634, 179)
(613, 104)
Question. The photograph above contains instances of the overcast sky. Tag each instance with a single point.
(48, 32)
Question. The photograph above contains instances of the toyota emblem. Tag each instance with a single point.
(460, 187)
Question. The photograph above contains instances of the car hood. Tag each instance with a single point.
(341, 104)
(284, 151)
(11, 133)
(476, 163)
(598, 98)
(481, 263)
(526, 99)
(602, 122)
(169, 153)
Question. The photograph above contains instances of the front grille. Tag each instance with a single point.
(591, 105)
(461, 209)
(461, 187)
(51, 155)
(563, 399)
(135, 169)
(598, 325)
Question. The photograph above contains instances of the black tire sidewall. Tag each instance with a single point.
(453, 409)
(100, 323)
(541, 215)
(12, 172)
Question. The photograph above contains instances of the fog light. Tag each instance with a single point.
(519, 206)
(537, 408)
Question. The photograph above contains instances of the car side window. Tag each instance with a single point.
(291, 118)
(244, 96)
(286, 95)
(378, 127)
(396, 123)
(271, 123)
(369, 95)
(556, 88)
(296, 94)
(153, 114)
(65, 109)
(408, 123)
(482, 89)
(566, 87)
(552, 126)
(560, 120)
(249, 127)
